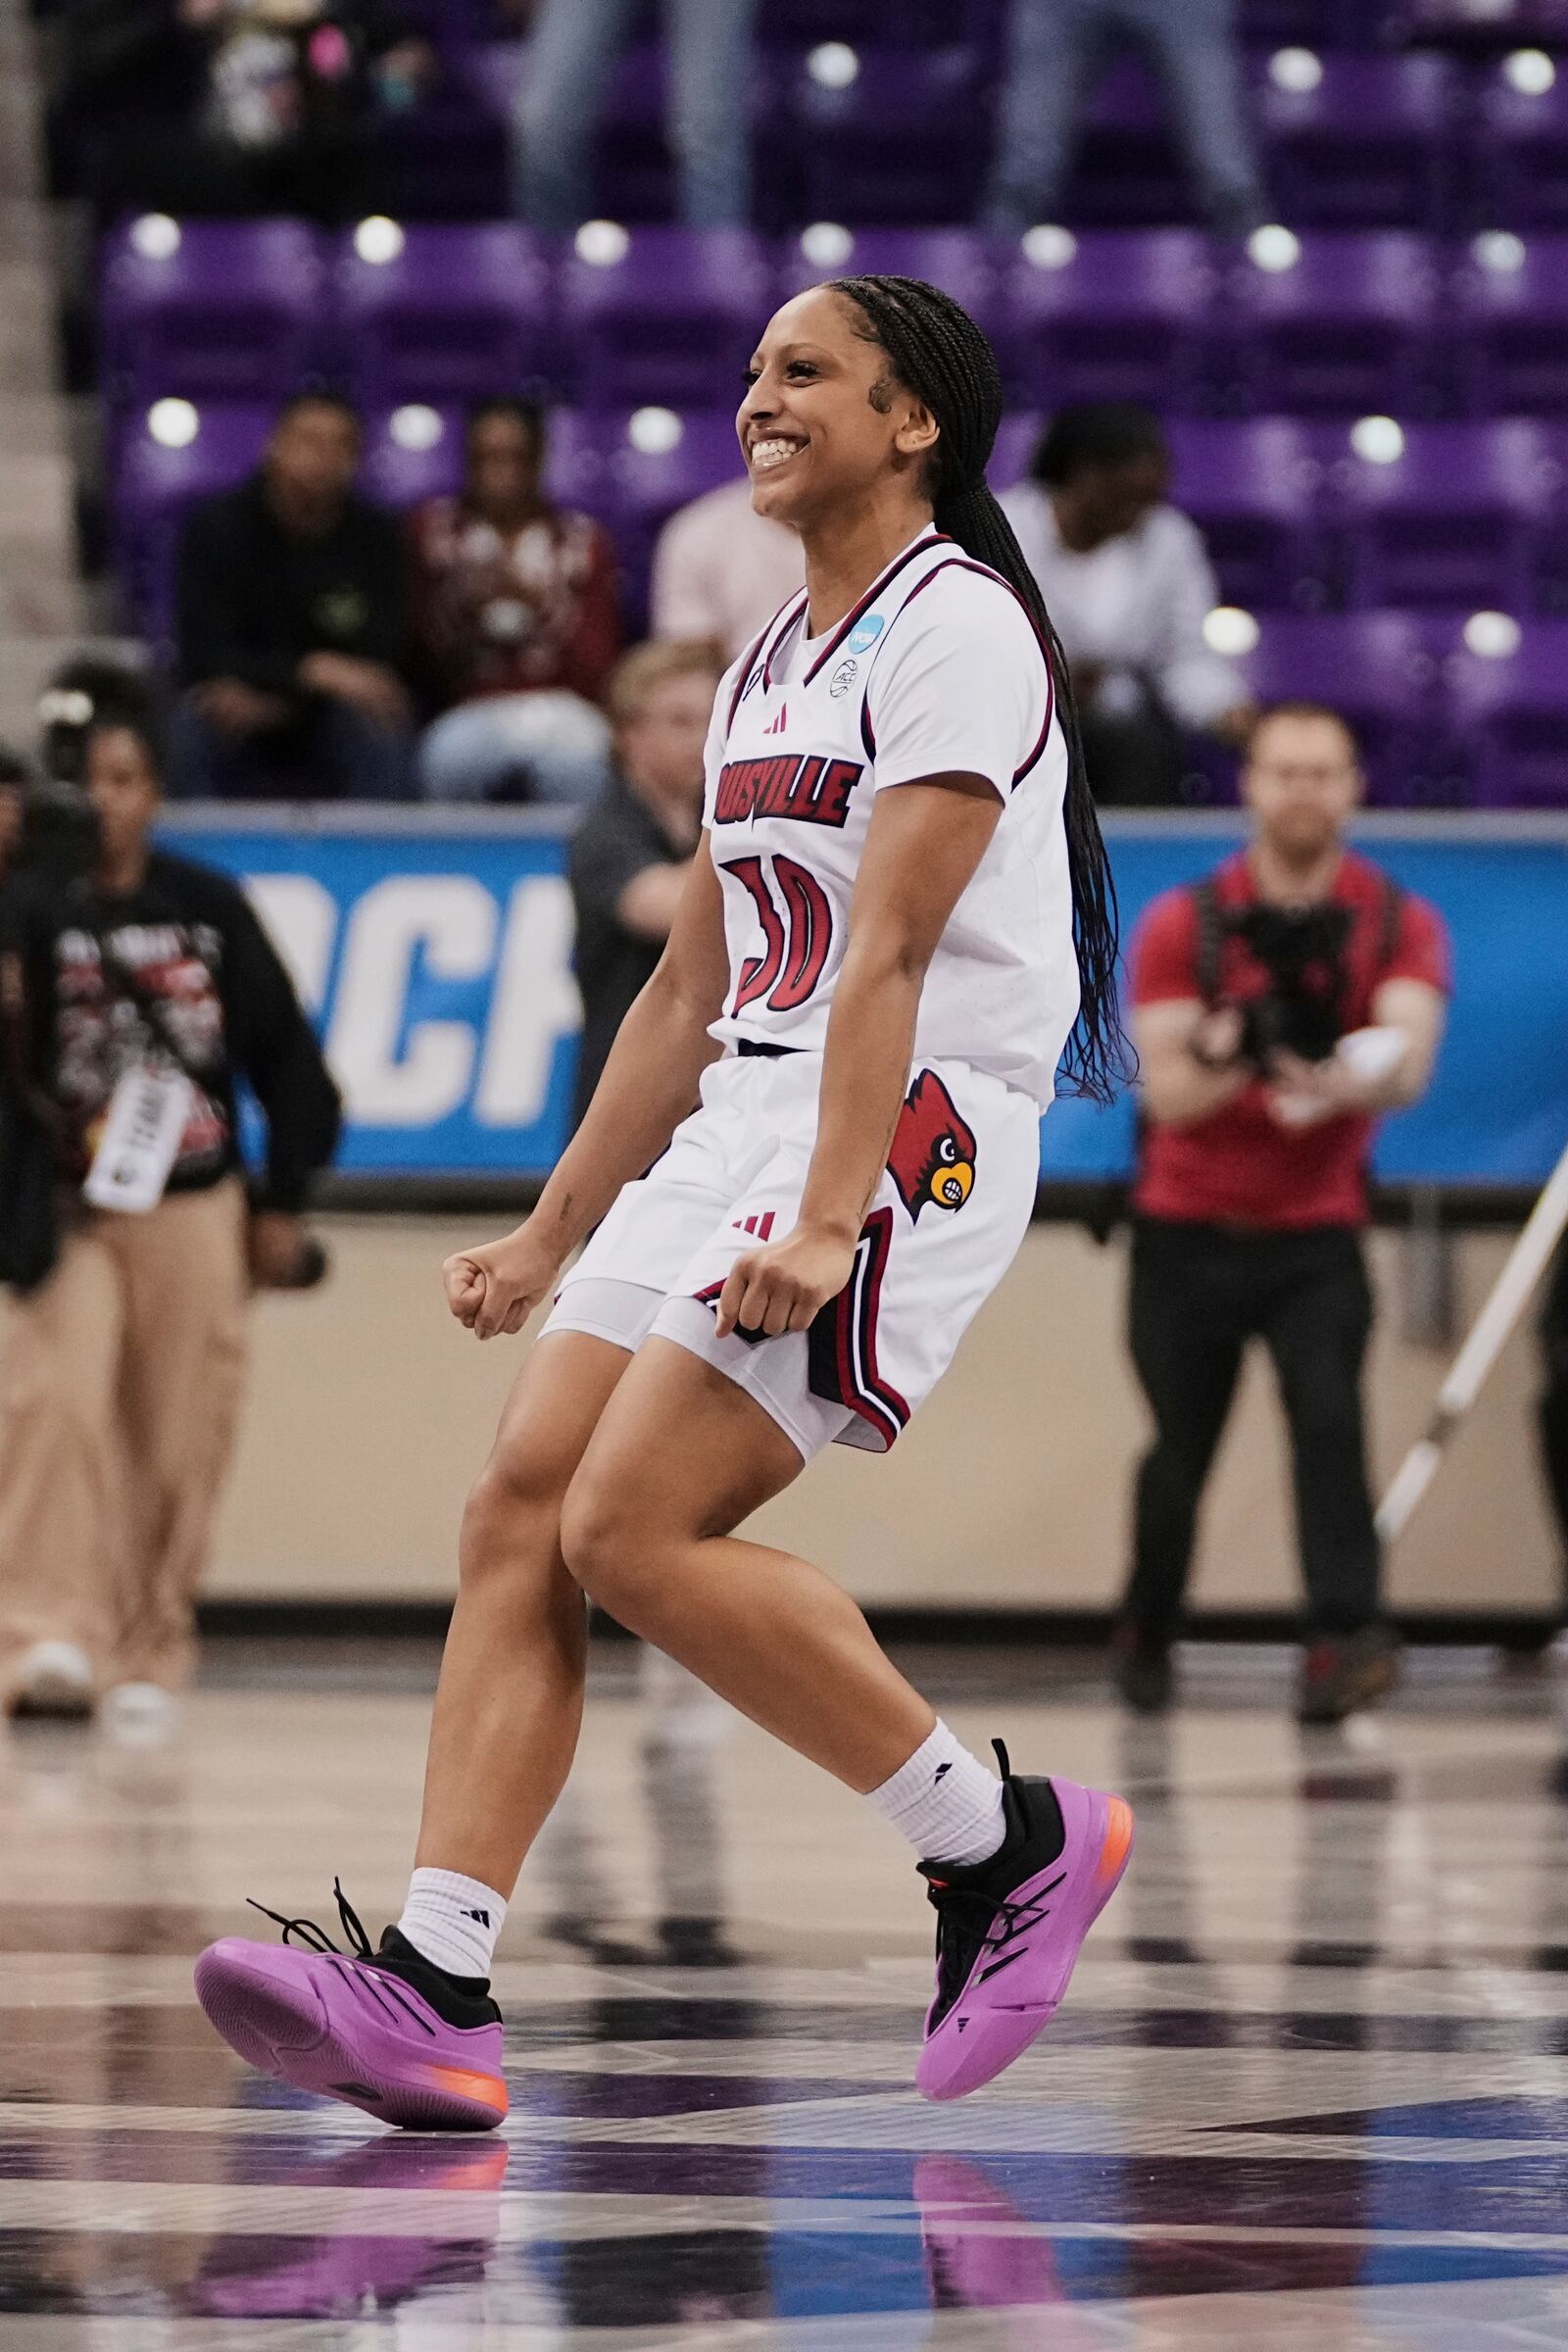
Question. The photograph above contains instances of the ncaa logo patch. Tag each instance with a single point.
(865, 633)
(843, 678)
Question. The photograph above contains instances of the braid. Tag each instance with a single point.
(938, 352)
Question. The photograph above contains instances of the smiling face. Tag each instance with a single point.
(825, 424)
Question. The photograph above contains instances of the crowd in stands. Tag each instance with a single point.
(466, 653)
(253, 106)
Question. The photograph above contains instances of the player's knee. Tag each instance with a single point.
(511, 1518)
(607, 1550)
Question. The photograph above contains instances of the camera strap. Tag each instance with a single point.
(148, 1110)
(1215, 928)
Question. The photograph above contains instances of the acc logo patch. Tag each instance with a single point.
(865, 633)
(843, 678)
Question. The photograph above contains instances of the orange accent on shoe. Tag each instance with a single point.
(486, 2090)
(1118, 1839)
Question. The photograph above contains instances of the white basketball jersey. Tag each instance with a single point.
(938, 671)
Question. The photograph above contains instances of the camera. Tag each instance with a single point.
(1302, 950)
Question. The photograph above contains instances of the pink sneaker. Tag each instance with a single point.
(384, 2031)
(1009, 1930)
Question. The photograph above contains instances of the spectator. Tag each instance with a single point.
(1055, 49)
(517, 623)
(1251, 1189)
(631, 854)
(292, 625)
(1129, 586)
(721, 572)
(566, 67)
(120, 1379)
(232, 106)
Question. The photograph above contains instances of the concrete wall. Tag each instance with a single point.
(371, 1411)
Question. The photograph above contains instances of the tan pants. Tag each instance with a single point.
(119, 1394)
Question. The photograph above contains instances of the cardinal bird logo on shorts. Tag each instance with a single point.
(933, 1152)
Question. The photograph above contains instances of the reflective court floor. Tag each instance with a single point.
(1310, 2090)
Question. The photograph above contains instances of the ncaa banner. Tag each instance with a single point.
(434, 953)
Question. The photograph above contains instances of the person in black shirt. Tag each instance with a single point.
(147, 984)
(292, 626)
(630, 854)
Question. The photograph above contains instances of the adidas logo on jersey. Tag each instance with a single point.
(776, 726)
(760, 1226)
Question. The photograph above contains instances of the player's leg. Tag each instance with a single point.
(509, 1704)
(679, 1459)
(415, 2038)
(1018, 1871)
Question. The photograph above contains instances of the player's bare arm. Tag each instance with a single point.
(923, 848)
(649, 1084)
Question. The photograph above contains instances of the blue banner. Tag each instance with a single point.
(437, 961)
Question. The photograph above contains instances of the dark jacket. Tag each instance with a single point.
(253, 600)
(179, 969)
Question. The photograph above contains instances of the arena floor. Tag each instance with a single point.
(1310, 2088)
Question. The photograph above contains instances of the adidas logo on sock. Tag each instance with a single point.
(483, 1917)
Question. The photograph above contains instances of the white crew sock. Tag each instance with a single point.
(453, 1921)
(946, 1801)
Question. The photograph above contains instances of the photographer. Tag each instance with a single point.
(1278, 1007)
(136, 989)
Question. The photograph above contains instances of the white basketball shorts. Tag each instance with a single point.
(945, 1223)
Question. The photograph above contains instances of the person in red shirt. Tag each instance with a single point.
(1278, 1010)
(517, 624)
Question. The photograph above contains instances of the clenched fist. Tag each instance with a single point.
(494, 1290)
(784, 1287)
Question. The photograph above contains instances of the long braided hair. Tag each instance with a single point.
(936, 351)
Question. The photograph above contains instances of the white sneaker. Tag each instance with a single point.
(141, 1714)
(53, 1677)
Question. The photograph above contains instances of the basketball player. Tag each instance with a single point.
(898, 918)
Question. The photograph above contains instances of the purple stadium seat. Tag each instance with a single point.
(410, 454)
(1127, 172)
(234, 313)
(1109, 316)
(1455, 521)
(155, 486)
(1381, 669)
(674, 321)
(1512, 328)
(1513, 712)
(1523, 142)
(958, 260)
(1370, 147)
(1308, 24)
(907, 140)
(1354, 321)
(456, 314)
(1252, 488)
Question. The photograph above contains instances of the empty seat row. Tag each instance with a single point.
(1322, 324)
